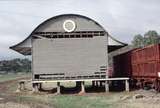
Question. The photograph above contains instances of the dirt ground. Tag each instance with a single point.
(26, 99)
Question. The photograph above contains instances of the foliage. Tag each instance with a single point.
(138, 40)
(15, 65)
(150, 37)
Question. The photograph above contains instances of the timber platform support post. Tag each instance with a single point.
(106, 86)
(127, 85)
(96, 83)
(35, 87)
(22, 84)
(19, 88)
(40, 86)
(82, 88)
(58, 88)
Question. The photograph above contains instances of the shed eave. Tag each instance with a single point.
(22, 50)
(25, 50)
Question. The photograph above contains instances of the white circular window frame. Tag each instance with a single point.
(69, 21)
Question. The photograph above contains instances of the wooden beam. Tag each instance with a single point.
(107, 79)
(127, 85)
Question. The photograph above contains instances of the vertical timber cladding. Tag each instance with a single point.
(79, 54)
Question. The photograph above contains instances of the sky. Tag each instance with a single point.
(121, 18)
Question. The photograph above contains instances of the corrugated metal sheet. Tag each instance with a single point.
(146, 61)
(146, 54)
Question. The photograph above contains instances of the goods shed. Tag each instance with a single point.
(68, 47)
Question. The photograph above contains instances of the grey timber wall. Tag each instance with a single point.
(69, 58)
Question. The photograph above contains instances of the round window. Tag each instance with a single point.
(69, 25)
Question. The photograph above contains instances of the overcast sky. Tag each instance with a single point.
(121, 18)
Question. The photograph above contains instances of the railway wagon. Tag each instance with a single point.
(68, 47)
(142, 65)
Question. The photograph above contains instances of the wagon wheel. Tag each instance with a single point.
(138, 84)
(157, 85)
(133, 83)
(141, 83)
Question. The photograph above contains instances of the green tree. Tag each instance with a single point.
(15, 65)
(138, 41)
(151, 37)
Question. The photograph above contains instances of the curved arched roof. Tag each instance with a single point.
(66, 15)
(24, 47)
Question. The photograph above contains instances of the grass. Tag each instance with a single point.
(80, 102)
(75, 101)
(8, 77)
(108, 100)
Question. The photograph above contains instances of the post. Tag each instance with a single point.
(82, 87)
(106, 86)
(127, 85)
(22, 85)
(58, 88)
(96, 83)
(19, 87)
(35, 87)
(40, 86)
